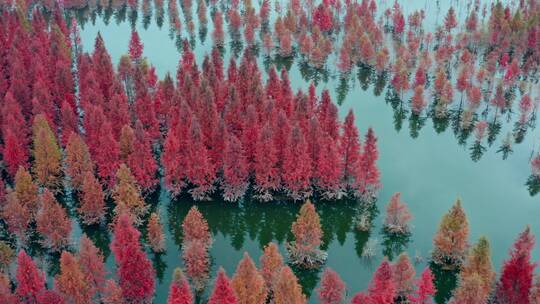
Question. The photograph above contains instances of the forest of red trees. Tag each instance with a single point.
(111, 134)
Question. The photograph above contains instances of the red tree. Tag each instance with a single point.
(297, 166)
(369, 173)
(332, 290)
(382, 288)
(517, 272)
(71, 280)
(266, 171)
(30, 280)
(135, 272)
(141, 161)
(53, 222)
(107, 156)
(223, 292)
(425, 289)
(92, 200)
(235, 170)
(135, 46)
(350, 153)
(179, 292)
(92, 265)
(201, 171)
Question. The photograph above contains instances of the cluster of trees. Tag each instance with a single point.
(108, 131)
(83, 277)
(471, 69)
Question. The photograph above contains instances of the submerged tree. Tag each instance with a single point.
(155, 235)
(71, 280)
(91, 200)
(223, 292)
(451, 240)
(179, 292)
(248, 283)
(30, 280)
(78, 161)
(477, 276)
(47, 166)
(127, 196)
(53, 223)
(425, 290)
(271, 264)
(397, 216)
(404, 273)
(135, 272)
(286, 288)
(517, 273)
(332, 289)
(304, 251)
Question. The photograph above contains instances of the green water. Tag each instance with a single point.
(431, 170)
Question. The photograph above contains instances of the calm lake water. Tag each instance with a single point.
(431, 170)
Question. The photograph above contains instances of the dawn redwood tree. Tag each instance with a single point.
(127, 196)
(6, 296)
(517, 272)
(425, 289)
(141, 161)
(197, 262)
(382, 288)
(368, 171)
(534, 296)
(30, 280)
(328, 173)
(107, 155)
(135, 272)
(47, 166)
(307, 231)
(235, 170)
(332, 289)
(223, 292)
(16, 216)
(296, 172)
(179, 291)
(91, 200)
(201, 172)
(195, 227)
(27, 192)
(92, 266)
(135, 47)
(71, 280)
(286, 288)
(78, 160)
(451, 240)
(266, 162)
(403, 274)
(248, 284)
(349, 144)
(127, 137)
(477, 276)
(112, 293)
(15, 152)
(271, 264)
(397, 216)
(53, 222)
(155, 235)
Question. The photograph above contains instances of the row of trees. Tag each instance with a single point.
(83, 275)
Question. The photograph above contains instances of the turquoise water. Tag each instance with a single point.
(431, 170)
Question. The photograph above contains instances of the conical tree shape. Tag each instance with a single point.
(223, 292)
(30, 280)
(404, 273)
(451, 242)
(127, 195)
(179, 292)
(78, 161)
(332, 289)
(286, 288)
(53, 222)
(71, 280)
(271, 264)
(27, 191)
(47, 155)
(308, 237)
(155, 235)
(248, 283)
